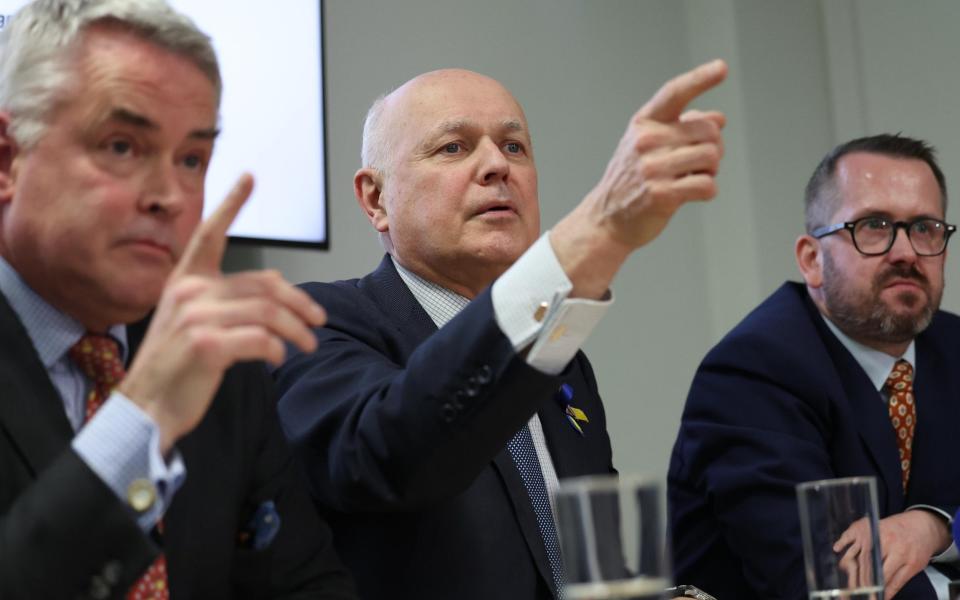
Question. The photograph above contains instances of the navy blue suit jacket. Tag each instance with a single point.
(780, 401)
(65, 534)
(402, 429)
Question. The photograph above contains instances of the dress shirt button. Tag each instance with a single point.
(141, 494)
(484, 375)
(458, 399)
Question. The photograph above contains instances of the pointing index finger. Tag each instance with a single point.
(673, 97)
(208, 242)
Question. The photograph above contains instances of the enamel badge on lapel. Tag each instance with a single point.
(574, 415)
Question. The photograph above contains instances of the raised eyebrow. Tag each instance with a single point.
(131, 118)
(433, 136)
(513, 125)
(205, 134)
(135, 119)
(458, 125)
(888, 217)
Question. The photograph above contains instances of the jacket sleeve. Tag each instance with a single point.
(378, 430)
(67, 535)
(745, 442)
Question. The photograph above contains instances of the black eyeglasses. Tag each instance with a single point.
(873, 236)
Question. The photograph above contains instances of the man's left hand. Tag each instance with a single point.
(907, 543)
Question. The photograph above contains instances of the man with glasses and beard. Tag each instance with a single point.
(853, 372)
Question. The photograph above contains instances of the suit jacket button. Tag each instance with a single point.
(112, 571)
(458, 400)
(99, 590)
(449, 412)
(484, 375)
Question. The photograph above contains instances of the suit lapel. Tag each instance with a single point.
(937, 414)
(31, 410)
(385, 287)
(873, 423)
(414, 325)
(526, 517)
(870, 415)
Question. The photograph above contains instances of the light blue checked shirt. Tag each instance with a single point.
(121, 443)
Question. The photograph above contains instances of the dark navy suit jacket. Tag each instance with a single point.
(65, 534)
(780, 401)
(402, 429)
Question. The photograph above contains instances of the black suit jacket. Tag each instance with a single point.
(65, 534)
(403, 429)
(780, 401)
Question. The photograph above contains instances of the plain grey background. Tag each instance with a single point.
(804, 75)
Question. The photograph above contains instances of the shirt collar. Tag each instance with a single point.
(441, 304)
(875, 363)
(51, 331)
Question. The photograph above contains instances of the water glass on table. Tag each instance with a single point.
(612, 534)
(841, 540)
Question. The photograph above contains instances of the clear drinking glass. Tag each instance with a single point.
(613, 538)
(841, 541)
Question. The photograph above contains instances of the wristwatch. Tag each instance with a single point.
(688, 591)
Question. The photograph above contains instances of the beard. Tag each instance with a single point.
(865, 315)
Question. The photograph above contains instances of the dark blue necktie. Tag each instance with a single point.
(525, 457)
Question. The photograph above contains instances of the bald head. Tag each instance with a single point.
(448, 178)
(380, 129)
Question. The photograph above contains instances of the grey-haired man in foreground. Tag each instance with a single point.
(176, 482)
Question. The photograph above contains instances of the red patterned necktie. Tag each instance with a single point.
(903, 413)
(98, 357)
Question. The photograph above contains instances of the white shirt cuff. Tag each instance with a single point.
(531, 306)
(950, 555)
(121, 444)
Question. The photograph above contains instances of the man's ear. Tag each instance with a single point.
(8, 154)
(368, 188)
(809, 255)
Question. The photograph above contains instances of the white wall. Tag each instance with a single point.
(804, 75)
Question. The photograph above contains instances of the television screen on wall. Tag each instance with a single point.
(272, 114)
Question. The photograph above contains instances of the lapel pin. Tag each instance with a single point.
(574, 415)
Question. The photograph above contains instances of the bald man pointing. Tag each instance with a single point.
(432, 419)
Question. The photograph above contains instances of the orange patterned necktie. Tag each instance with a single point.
(98, 357)
(903, 413)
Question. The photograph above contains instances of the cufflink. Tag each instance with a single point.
(541, 312)
(141, 494)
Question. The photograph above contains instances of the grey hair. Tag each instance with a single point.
(35, 52)
(373, 151)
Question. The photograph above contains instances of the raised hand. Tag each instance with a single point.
(206, 321)
(667, 156)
